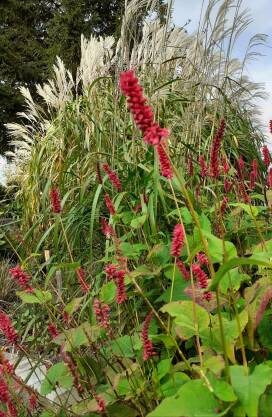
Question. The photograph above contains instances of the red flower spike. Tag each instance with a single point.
(183, 270)
(203, 166)
(202, 259)
(177, 241)
(243, 192)
(207, 295)
(112, 177)
(241, 163)
(12, 410)
(55, 200)
(120, 284)
(215, 149)
(225, 164)
(270, 126)
(52, 330)
(21, 278)
(7, 328)
(109, 204)
(32, 402)
(142, 114)
(81, 278)
(200, 275)
(165, 164)
(227, 185)
(269, 179)
(147, 343)
(110, 271)
(190, 167)
(102, 313)
(266, 155)
(4, 392)
(224, 205)
(107, 229)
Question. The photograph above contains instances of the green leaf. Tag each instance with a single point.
(192, 400)
(262, 260)
(233, 280)
(138, 221)
(132, 250)
(251, 210)
(249, 388)
(183, 312)
(222, 390)
(172, 384)
(58, 373)
(37, 297)
(108, 292)
(78, 336)
(178, 290)
(126, 346)
(264, 330)
(218, 247)
(73, 305)
(163, 368)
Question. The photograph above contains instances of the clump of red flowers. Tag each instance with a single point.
(7, 328)
(147, 343)
(55, 200)
(112, 177)
(177, 241)
(215, 150)
(81, 278)
(21, 278)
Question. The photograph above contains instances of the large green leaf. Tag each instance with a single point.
(249, 388)
(192, 400)
(57, 374)
(78, 336)
(37, 297)
(183, 313)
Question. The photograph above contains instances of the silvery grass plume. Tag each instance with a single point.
(173, 64)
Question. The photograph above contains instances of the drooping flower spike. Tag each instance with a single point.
(165, 164)
(112, 177)
(109, 204)
(147, 343)
(177, 241)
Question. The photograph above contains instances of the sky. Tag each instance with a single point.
(259, 70)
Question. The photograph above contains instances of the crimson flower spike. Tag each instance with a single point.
(142, 113)
(112, 177)
(147, 343)
(215, 150)
(165, 164)
(177, 241)
(55, 200)
(266, 155)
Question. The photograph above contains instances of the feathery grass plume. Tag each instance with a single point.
(112, 177)
(266, 155)
(165, 164)
(178, 240)
(215, 149)
(147, 343)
